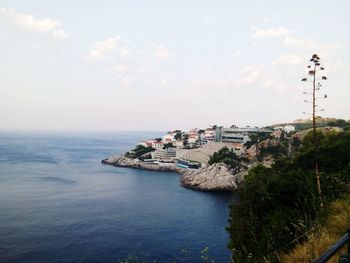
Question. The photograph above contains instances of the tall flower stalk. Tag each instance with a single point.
(313, 69)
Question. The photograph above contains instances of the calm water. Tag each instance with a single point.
(59, 204)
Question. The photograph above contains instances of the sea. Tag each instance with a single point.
(58, 203)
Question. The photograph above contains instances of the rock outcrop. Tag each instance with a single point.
(217, 177)
(123, 161)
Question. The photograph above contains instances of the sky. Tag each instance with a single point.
(165, 65)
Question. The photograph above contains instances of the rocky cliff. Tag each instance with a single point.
(122, 161)
(217, 177)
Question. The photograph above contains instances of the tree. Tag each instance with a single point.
(167, 145)
(226, 156)
(139, 151)
(278, 205)
(313, 69)
(177, 136)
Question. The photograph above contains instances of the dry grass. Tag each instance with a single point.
(337, 222)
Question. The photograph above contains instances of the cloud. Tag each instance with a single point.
(301, 48)
(131, 64)
(305, 43)
(126, 82)
(29, 23)
(291, 59)
(311, 45)
(206, 21)
(270, 33)
(233, 81)
(330, 53)
(237, 53)
(121, 70)
(340, 66)
(250, 74)
(160, 52)
(59, 33)
(125, 51)
(269, 18)
(102, 48)
(259, 76)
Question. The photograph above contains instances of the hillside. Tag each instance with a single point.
(280, 205)
(304, 124)
(335, 224)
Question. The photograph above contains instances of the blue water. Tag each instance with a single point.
(58, 203)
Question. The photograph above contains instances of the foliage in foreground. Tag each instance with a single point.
(334, 226)
(280, 205)
(184, 257)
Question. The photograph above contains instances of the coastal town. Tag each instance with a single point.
(192, 149)
(217, 158)
(190, 152)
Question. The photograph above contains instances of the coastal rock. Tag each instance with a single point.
(217, 177)
(120, 161)
(123, 161)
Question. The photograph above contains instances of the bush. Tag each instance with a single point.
(273, 150)
(139, 151)
(226, 156)
(278, 205)
(336, 222)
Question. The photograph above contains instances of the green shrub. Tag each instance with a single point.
(139, 151)
(278, 205)
(226, 156)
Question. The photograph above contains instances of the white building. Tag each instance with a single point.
(193, 137)
(165, 155)
(209, 136)
(289, 128)
(147, 143)
(238, 135)
(179, 143)
(168, 138)
(157, 145)
(235, 138)
(286, 128)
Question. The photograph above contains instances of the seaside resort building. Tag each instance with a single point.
(152, 143)
(209, 136)
(193, 137)
(286, 128)
(238, 135)
(165, 155)
(169, 138)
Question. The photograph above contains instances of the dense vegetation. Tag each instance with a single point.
(279, 205)
(274, 150)
(139, 151)
(334, 225)
(226, 156)
(255, 138)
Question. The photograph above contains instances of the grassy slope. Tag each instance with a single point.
(336, 223)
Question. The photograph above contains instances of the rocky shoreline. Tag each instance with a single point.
(217, 177)
(123, 161)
